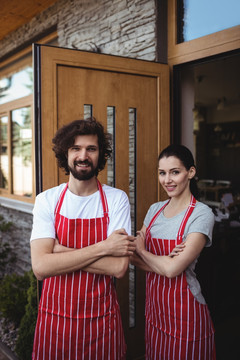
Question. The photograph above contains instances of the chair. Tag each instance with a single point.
(205, 182)
(225, 183)
(204, 185)
(218, 210)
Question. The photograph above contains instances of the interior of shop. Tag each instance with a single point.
(210, 118)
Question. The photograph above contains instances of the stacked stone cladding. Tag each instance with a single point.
(118, 27)
(17, 237)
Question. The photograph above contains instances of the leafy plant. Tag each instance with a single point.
(5, 226)
(27, 326)
(13, 297)
(7, 255)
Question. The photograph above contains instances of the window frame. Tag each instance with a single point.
(225, 41)
(13, 64)
(209, 45)
(6, 109)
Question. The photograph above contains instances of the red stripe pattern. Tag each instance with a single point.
(177, 325)
(79, 316)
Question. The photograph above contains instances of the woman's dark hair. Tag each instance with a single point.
(185, 156)
(65, 138)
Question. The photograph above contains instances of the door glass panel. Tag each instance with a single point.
(132, 200)
(4, 152)
(111, 130)
(22, 151)
(87, 111)
(200, 18)
(16, 85)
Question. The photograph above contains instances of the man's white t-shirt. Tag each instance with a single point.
(83, 207)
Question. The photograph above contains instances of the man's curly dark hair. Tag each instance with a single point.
(65, 138)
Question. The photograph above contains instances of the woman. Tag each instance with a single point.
(178, 323)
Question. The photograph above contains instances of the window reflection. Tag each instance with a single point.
(22, 151)
(16, 85)
(4, 152)
(200, 18)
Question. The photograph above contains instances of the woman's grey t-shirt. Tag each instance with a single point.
(200, 221)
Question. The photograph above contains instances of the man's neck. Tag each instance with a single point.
(83, 187)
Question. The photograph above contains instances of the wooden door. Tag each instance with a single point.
(131, 99)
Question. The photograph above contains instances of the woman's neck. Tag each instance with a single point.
(177, 204)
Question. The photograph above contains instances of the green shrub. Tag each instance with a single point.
(13, 297)
(18, 297)
(5, 226)
(27, 326)
(7, 257)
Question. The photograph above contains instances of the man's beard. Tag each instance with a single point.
(82, 174)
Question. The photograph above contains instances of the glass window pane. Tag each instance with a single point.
(200, 18)
(87, 111)
(111, 130)
(16, 85)
(132, 199)
(22, 151)
(4, 166)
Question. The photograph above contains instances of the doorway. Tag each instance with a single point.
(131, 99)
(208, 122)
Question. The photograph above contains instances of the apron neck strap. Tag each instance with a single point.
(155, 217)
(103, 199)
(187, 214)
(102, 195)
(60, 200)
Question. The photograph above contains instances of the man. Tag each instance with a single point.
(79, 242)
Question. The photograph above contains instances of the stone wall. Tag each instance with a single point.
(18, 238)
(117, 27)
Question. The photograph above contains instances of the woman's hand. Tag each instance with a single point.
(177, 250)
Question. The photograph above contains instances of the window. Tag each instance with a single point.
(16, 85)
(17, 180)
(22, 151)
(200, 18)
(189, 41)
(16, 166)
(4, 166)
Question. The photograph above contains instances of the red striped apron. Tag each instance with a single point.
(177, 325)
(79, 316)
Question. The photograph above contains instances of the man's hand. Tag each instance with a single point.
(119, 243)
(58, 248)
(140, 241)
